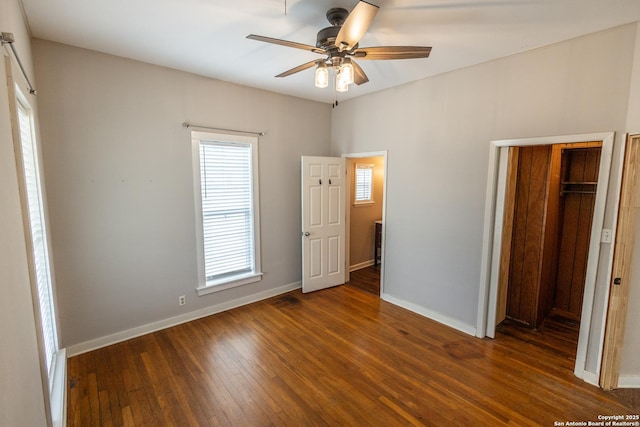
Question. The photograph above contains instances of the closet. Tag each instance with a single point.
(549, 227)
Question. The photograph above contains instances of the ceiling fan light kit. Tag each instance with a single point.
(346, 71)
(322, 75)
(340, 44)
(341, 82)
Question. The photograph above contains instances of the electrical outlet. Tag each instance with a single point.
(182, 300)
(606, 235)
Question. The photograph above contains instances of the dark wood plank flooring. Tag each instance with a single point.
(337, 357)
(558, 333)
(366, 279)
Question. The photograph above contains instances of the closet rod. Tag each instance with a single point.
(7, 38)
(188, 125)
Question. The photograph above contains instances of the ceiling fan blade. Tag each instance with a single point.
(359, 77)
(300, 68)
(287, 43)
(356, 24)
(392, 52)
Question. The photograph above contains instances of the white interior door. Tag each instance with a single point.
(323, 222)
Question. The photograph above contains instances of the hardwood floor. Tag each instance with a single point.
(366, 279)
(558, 333)
(338, 357)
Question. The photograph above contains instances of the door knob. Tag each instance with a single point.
(307, 234)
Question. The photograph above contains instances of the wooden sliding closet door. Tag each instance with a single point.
(528, 234)
(555, 187)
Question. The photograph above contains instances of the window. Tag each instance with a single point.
(38, 235)
(226, 188)
(364, 184)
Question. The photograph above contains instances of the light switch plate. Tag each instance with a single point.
(606, 235)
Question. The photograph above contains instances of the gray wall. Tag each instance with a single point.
(120, 182)
(21, 391)
(437, 131)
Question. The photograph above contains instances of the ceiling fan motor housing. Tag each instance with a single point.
(327, 36)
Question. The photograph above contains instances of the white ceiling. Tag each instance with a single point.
(208, 37)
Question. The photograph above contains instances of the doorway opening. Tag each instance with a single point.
(591, 314)
(548, 215)
(365, 208)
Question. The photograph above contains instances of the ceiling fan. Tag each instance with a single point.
(340, 45)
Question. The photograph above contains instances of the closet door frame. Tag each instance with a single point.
(591, 326)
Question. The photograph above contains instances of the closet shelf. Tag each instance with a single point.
(569, 187)
(579, 183)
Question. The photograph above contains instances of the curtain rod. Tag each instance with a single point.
(188, 125)
(7, 38)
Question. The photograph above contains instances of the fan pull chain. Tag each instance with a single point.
(285, 7)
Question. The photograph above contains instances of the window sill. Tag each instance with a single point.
(217, 286)
(357, 204)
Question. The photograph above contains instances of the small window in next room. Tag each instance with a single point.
(227, 217)
(363, 184)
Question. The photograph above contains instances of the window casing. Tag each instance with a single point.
(38, 235)
(227, 217)
(363, 192)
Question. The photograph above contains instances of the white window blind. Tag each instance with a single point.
(227, 210)
(38, 236)
(364, 183)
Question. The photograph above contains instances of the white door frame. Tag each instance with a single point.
(492, 237)
(348, 212)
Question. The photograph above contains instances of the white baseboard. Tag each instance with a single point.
(624, 381)
(97, 343)
(58, 398)
(433, 315)
(361, 265)
(589, 377)
(629, 381)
